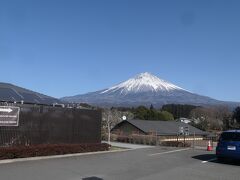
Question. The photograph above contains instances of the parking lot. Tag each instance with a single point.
(142, 164)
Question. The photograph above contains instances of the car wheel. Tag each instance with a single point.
(220, 159)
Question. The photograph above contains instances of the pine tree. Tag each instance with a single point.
(151, 107)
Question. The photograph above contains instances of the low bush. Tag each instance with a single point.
(49, 149)
(123, 139)
(137, 139)
(175, 144)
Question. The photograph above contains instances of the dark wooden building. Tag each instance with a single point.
(164, 129)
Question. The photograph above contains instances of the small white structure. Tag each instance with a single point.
(185, 120)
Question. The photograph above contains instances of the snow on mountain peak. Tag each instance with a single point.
(143, 82)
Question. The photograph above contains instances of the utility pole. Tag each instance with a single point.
(109, 128)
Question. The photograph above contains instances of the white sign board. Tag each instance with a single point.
(181, 130)
(9, 116)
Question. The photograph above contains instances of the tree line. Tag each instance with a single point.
(212, 118)
(152, 114)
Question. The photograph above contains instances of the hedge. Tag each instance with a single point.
(175, 144)
(49, 149)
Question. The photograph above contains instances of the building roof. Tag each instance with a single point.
(12, 93)
(163, 127)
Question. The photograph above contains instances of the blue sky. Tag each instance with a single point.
(69, 47)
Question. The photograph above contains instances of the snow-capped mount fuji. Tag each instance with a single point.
(144, 89)
(144, 82)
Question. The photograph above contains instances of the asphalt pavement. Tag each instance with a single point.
(158, 163)
(127, 145)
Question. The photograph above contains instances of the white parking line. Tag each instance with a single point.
(210, 160)
(168, 152)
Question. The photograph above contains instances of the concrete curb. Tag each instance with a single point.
(8, 161)
(203, 148)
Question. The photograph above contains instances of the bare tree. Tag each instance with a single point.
(211, 118)
(111, 117)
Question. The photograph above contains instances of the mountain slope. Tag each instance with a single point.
(144, 82)
(144, 89)
(12, 93)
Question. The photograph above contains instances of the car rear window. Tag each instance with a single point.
(230, 136)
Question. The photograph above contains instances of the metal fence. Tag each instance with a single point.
(52, 125)
(198, 142)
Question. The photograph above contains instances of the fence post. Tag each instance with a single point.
(184, 140)
(156, 139)
(194, 140)
(212, 142)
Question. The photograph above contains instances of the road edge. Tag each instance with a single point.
(8, 161)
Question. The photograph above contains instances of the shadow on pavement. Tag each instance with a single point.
(213, 159)
(204, 157)
(92, 178)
